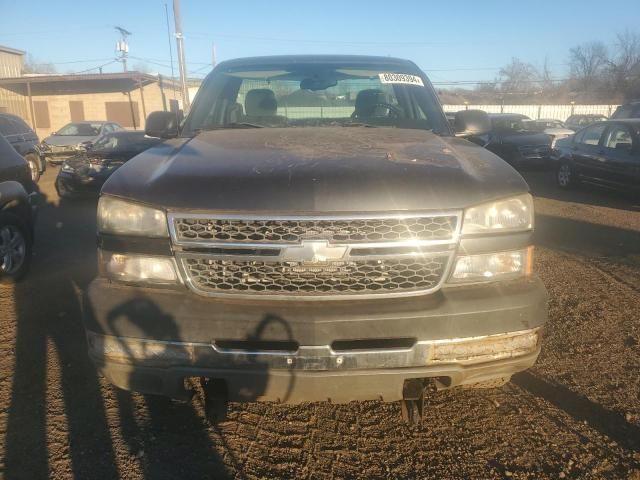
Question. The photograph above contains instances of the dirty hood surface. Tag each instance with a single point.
(325, 169)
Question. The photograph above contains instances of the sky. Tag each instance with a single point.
(461, 41)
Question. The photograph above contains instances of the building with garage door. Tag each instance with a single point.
(48, 102)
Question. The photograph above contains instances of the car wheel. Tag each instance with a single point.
(15, 248)
(63, 192)
(34, 167)
(565, 176)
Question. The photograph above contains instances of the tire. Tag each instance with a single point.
(63, 192)
(15, 248)
(34, 166)
(565, 176)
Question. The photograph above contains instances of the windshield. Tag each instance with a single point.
(129, 142)
(515, 125)
(542, 124)
(299, 95)
(80, 130)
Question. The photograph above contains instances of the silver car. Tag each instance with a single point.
(74, 137)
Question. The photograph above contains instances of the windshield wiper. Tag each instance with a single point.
(239, 125)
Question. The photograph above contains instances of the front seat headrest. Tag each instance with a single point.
(366, 102)
(260, 102)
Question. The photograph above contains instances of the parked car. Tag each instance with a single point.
(517, 139)
(606, 154)
(16, 214)
(576, 122)
(74, 137)
(25, 141)
(362, 252)
(86, 172)
(628, 110)
(552, 127)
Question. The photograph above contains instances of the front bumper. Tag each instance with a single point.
(150, 340)
(312, 373)
(74, 184)
(58, 157)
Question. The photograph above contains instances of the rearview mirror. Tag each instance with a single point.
(162, 125)
(317, 83)
(470, 123)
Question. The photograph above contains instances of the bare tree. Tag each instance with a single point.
(31, 65)
(546, 82)
(624, 67)
(142, 67)
(517, 76)
(588, 60)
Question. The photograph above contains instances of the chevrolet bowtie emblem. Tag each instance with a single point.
(313, 252)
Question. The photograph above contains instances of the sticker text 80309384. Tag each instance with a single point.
(400, 78)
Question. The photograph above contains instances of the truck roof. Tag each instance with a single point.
(317, 59)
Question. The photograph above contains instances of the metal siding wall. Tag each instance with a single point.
(10, 65)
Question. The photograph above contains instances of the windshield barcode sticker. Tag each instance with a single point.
(400, 78)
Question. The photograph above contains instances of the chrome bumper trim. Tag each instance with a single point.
(314, 358)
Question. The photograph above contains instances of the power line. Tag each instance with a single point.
(68, 30)
(96, 68)
(148, 60)
(198, 70)
(74, 61)
(300, 40)
(164, 60)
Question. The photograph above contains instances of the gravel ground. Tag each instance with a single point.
(576, 414)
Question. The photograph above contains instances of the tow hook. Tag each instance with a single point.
(414, 393)
(216, 403)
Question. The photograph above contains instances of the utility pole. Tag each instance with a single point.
(181, 61)
(122, 46)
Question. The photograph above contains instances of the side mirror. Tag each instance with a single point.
(470, 123)
(86, 146)
(162, 125)
(53, 133)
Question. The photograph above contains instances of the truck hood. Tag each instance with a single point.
(325, 169)
(62, 140)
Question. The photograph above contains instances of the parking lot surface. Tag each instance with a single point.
(576, 414)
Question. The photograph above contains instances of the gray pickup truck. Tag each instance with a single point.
(314, 230)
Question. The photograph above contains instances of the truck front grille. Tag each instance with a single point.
(61, 148)
(392, 275)
(292, 231)
(320, 256)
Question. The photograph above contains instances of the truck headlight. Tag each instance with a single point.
(492, 266)
(67, 168)
(509, 215)
(140, 268)
(120, 217)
